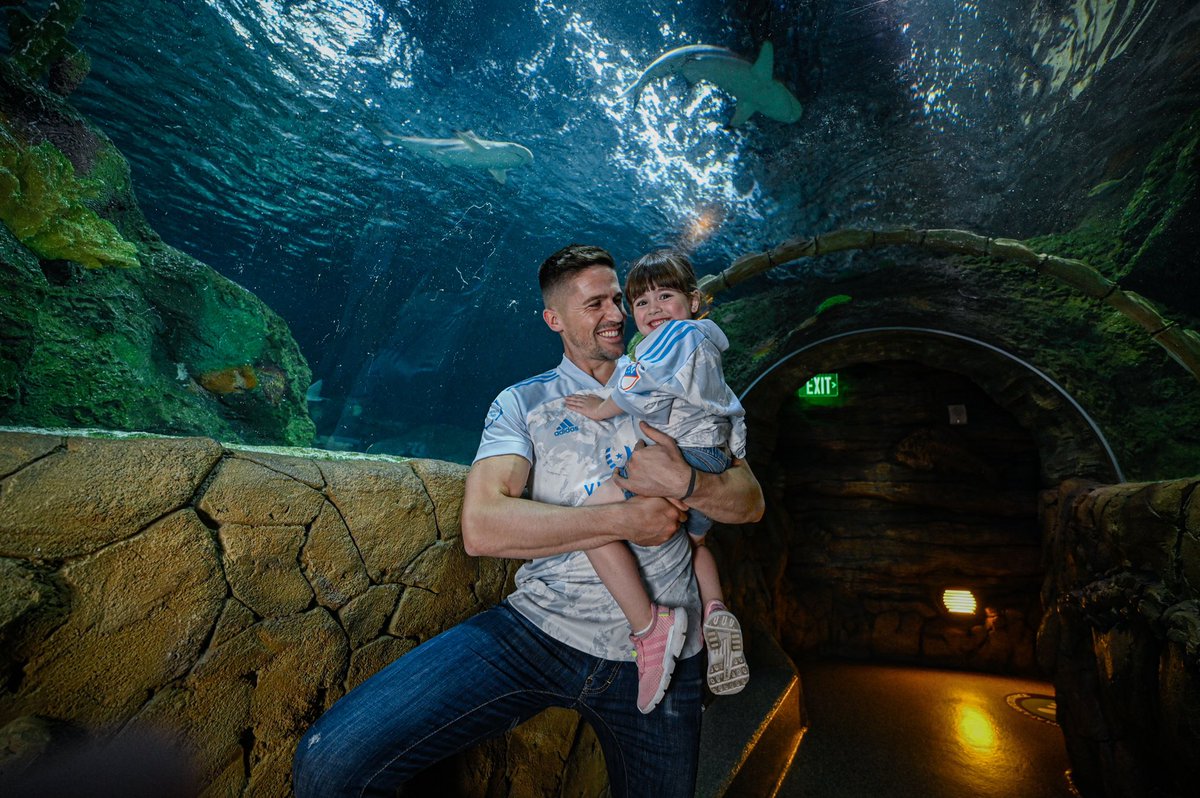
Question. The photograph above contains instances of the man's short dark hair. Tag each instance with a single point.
(568, 261)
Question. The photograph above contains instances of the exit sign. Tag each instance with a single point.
(820, 386)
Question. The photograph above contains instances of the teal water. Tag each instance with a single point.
(256, 131)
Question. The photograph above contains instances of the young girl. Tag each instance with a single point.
(674, 382)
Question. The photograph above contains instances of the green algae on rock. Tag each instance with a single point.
(44, 205)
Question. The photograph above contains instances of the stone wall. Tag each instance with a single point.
(212, 602)
(1121, 635)
(208, 603)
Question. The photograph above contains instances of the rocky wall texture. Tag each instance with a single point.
(215, 601)
(1121, 635)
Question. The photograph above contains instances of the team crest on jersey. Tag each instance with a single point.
(616, 457)
(630, 377)
(494, 412)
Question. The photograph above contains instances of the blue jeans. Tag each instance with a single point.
(711, 460)
(480, 679)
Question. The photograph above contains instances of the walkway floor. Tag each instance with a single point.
(883, 731)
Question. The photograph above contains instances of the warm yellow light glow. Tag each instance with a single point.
(976, 731)
(959, 601)
(704, 222)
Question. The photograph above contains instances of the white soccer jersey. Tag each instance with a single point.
(571, 456)
(676, 384)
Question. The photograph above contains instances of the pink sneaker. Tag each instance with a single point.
(656, 651)
(727, 669)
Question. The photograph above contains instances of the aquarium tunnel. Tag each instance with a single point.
(266, 264)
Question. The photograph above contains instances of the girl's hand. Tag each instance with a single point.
(585, 404)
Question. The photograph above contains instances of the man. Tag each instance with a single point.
(559, 639)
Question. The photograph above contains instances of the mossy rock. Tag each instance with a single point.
(121, 348)
(1161, 223)
(45, 206)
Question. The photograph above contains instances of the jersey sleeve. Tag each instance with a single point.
(505, 430)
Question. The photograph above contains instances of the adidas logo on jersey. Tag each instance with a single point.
(565, 427)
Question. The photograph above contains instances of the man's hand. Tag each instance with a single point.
(656, 470)
(656, 520)
(731, 497)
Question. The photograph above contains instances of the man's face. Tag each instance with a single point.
(587, 311)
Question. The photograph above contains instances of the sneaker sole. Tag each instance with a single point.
(727, 669)
(675, 640)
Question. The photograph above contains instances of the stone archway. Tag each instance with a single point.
(882, 501)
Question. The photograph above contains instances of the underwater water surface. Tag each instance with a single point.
(269, 139)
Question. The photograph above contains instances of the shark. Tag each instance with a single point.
(752, 85)
(466, 150)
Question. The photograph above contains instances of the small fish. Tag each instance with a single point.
(764, 348)
(1108, 185)
(313, 394)
(752, 85)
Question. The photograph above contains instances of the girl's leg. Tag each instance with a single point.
(706, 573)
(658, 632)
(618, 570)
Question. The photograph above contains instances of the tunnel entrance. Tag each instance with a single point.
(921, 475)
(892, 502)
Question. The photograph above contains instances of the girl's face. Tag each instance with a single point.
(661, 305)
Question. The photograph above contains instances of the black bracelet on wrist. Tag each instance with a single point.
(691, 485)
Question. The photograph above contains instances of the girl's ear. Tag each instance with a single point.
(695, 301)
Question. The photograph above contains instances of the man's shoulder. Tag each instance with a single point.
(537, 382)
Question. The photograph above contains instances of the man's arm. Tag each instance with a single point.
(731, 497)
(497, 522)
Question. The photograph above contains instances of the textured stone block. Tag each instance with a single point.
(363, 618)
(18, 449)
(387, 510)
(97, 492)
(331, 561)
(243, 492)
(444, 483)
(440, 592)
(374, 656)
(235, 618)
(140, 612)
(261, 568)
(300, 469)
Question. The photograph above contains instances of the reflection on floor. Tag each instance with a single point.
(884, 731)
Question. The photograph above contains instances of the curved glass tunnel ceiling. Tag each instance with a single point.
(264, 139)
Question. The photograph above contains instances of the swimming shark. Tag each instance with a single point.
(752, 85)
(465, 150)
